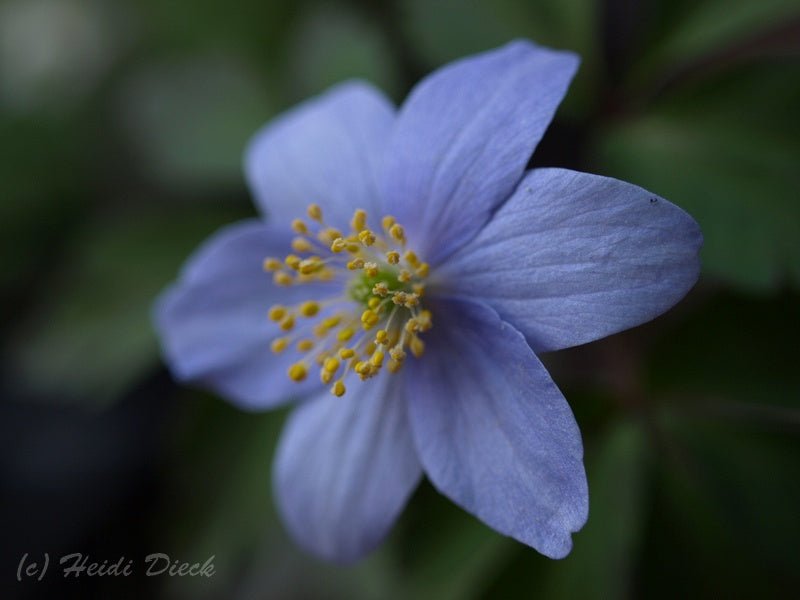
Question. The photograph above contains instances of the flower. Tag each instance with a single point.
(427, 272)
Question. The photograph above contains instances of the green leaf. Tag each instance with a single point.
(330, 46)
(606, 552)
(684, 32)
(190, 121)
(725, 150)
(90, 334)
(445, 30)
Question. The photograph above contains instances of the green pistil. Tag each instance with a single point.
(361, 286)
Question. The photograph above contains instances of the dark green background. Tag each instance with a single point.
(122, 128)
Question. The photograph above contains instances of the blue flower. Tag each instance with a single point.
(429, 270)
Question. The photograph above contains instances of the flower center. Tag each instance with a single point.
(373, 322)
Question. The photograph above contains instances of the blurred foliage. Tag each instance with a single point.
(122, 127)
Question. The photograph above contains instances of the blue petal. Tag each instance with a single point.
(213, 322)
(344, 469)
(573, 257)
(329, 150)
(493, 431)
(463, 138)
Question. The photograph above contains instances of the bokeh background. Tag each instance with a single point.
(121, 134)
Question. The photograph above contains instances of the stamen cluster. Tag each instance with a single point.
(384, 285)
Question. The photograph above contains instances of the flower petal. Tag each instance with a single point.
(344, 469)
(493, 431)
(213, 322)
(573, 257)
(328, 150)
(463, 138)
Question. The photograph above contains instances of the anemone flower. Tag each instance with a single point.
(426, 269)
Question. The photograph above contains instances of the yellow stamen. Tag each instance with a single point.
(309, 308)
(387, 222)
(298, 371)
(359, 220)
(271, 264)
(366, 237)
(305, 345)
(276, 313)
(338, 389)
(287, 323)
(398, 233)
(393, 257)
(314, 212)
(279, 345)
(282, 278)
(345, 353)
(299, 226)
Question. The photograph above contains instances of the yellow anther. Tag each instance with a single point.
(276, 313)
(366, 237)
(327, 236)
(380, 289)
(271, 264)
(377, 358)
(355, 264)
(287, 323)
(398, 233)
(371, 269)
(411, 325)
(359, 220)
(399, 298)
(419, 289)
(353, 247)
(338, 389)
(299, 226)
(369, 319)
(345, 334)
(310, 265)
(369, 349)
(411, 258)
(397, 354)
(298, 371)
(332, 322)
(393, 257)
(305, 345)
(423, 269)
(309, 308)
(282, 278)
(301, 244)
(387, 222)
(345, 353)
(278, 345)
(417, 346)
(338, 245)
(374, 302)
(325, 376)
(381, 336)
(424, 320)
(363, 367)
(404, 276)
(320, 330)
(314, 212)
(293, 261)
(331, 364)
(412, 300)
(393, 366)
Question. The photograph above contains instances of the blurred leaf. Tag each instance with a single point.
(606, 552)
(726, 516)
(726, 151)
(685, 31)
(90, 335)
(444, 30)
(220, 503)
(190, 121)
(732, 349)
(332, 45)
(447, 552)
(44, 170)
